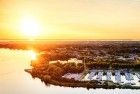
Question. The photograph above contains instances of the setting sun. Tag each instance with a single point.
(30, 27)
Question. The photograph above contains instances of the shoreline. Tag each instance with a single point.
(94, 84)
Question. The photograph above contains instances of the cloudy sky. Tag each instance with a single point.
(72, 19)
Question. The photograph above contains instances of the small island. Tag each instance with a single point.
(70, 67)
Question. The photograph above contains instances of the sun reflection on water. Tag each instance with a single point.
(33, 54)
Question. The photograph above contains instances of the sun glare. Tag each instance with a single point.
(30, 27)
(33, 55)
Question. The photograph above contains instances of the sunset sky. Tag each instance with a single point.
(70, 19)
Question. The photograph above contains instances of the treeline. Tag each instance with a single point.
(106, 65)
(52, 74)
(79, 67)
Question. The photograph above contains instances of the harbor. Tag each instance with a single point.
(117, 76)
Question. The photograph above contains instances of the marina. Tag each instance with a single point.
(107, 75)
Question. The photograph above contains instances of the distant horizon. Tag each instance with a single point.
(70, 40)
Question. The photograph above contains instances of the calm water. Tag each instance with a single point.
(13, 79)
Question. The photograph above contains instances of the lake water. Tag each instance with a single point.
(13, 79)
